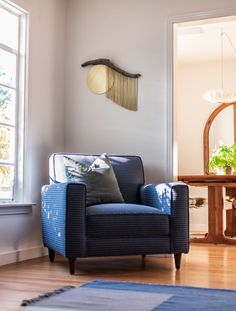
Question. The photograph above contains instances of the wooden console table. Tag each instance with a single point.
(215, 184)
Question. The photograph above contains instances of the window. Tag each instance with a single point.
(12, 101)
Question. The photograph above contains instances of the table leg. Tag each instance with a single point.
(215, 218)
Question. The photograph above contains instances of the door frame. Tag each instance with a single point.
(172, 171)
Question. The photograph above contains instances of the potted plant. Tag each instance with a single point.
(223, 159)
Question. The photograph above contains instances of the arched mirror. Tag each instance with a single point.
(222, 130)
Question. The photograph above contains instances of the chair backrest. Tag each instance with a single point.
(128, 169)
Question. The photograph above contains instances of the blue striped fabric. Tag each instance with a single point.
(179, 220)
(54, 216)
(171, 199)
(117, 221)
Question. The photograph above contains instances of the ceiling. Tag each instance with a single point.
(201, 40)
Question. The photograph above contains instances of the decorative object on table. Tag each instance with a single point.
(117, 296)
(222, 95)
(119, 85)
(223, 159)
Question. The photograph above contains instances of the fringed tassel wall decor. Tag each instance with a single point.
(120, 86)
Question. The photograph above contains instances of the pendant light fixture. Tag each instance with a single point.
(222, 95)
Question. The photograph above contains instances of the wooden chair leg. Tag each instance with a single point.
(72, 265)
(51, 254)
(178, 260)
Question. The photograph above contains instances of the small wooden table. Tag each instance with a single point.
(215, 184)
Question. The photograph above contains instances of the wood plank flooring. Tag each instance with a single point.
(205, 266)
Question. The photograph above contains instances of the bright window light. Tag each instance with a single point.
(12, 101)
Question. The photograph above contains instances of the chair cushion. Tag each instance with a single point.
(99, 178)
(125, 221)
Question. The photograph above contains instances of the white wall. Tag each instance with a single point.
(20, 236)
(192, 111)
(132, 33)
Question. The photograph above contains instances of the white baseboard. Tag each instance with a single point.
(198, 228)
(22, 254)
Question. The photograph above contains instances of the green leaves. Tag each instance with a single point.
(223, 158)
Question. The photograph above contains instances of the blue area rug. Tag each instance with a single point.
(129, 296)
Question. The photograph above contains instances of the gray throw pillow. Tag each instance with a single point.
(99, 178)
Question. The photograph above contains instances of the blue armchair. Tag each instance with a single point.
(154, 219)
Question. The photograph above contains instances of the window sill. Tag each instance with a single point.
(15, 208)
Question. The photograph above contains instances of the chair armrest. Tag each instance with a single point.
(64, 218)
(171, 199)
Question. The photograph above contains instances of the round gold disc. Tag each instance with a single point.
(97, 79)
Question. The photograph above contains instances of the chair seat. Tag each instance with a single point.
(121, 220)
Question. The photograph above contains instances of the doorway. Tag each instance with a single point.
(197, 69)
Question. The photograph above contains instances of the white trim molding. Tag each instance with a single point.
(170, 73)
(196, 229)
(16, 208)
(22, 254)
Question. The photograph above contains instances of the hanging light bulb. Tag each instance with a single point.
(220, 96)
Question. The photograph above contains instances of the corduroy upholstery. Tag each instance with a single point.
(153, 220)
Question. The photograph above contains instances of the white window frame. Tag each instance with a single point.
(20, 100)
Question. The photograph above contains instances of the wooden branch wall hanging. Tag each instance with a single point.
(119, 85)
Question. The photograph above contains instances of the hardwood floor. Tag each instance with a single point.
(205, 266)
